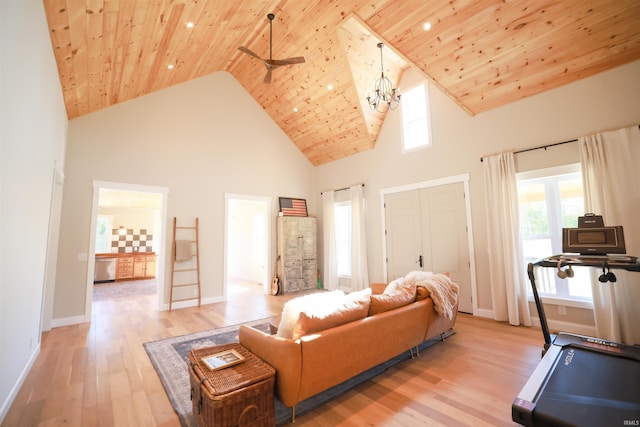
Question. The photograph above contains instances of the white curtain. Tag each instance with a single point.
(359, 265)
(506, 268)
(330, 280)
(611, 179)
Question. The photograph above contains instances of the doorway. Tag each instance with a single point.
(247, 229)
(427, 228)
(127, 218)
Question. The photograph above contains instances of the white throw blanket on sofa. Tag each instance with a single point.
(443, 291)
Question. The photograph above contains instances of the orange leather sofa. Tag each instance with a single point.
(315, 362)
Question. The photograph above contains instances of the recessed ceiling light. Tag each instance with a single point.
(330, 87)
(426, 26)
(295, 109)
(170, 66)
(190, 25)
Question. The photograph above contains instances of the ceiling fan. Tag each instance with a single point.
(271, 63)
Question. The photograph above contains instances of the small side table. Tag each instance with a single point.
(241, 394)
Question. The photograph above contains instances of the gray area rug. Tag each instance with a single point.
(170, 356)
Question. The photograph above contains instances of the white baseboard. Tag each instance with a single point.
(67, 321)
(554, 325)
(18, 384)
(483, 312)
(560, 326)
(192, 303)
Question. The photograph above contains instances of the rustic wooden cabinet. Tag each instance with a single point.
(297, 248)
(136, 266)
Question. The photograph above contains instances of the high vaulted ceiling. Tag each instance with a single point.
(482, 53)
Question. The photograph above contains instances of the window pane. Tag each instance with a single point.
(103, 234)
(533, 210)
(342, 212)
(580, 284)
(258, 237)
(546, 205)
(414, 103)
(415, 134)
(415, 118)
(571, 201)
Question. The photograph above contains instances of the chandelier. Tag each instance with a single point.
(386, 97)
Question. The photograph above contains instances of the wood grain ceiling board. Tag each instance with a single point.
(482, 53)
(490, 53)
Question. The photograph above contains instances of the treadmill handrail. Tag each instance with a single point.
(623, 262)
(539, 307)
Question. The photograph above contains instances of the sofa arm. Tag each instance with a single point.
(284, 355)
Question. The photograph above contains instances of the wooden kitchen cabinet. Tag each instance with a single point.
(144, 266)
(136, 266)
(124, 267)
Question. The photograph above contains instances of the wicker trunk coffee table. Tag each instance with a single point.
(238, 395)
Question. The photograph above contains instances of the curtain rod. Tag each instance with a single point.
(543, 146)
(341, 189)
(540, 147)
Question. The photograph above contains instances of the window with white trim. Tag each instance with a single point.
(549, 200)
(342, 216)
(416, 120)
(103, 233)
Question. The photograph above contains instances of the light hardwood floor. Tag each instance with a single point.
(98, 374)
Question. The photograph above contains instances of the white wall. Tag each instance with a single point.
(200, 139)
(32, 135)
(609, 100)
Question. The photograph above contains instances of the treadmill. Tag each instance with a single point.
(581, 381)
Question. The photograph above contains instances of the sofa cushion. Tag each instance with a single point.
(350, 311)
(320, 303)
(385, 302)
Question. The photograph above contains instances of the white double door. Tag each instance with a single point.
(426, 229)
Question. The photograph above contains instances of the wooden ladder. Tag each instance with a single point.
(189, 262)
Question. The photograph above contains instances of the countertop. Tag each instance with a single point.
(120, 255)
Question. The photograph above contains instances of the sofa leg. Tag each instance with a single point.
(416, 354)
(442, 337)
(293, 414)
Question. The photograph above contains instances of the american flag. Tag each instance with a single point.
(293, 207)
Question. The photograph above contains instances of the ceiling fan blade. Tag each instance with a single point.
(250, 53)
(267, 77)
(288, 61)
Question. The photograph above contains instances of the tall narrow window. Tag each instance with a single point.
(342, 214)
(416, 122)
(549, 200)
(258, 237)
(103, 233)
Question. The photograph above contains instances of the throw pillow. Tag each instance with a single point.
(321, 302)
(349, 312)
(394, 285)
(359, 295)
(421, 293)
(385, 302)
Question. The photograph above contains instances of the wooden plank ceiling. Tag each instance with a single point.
(482, 53)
